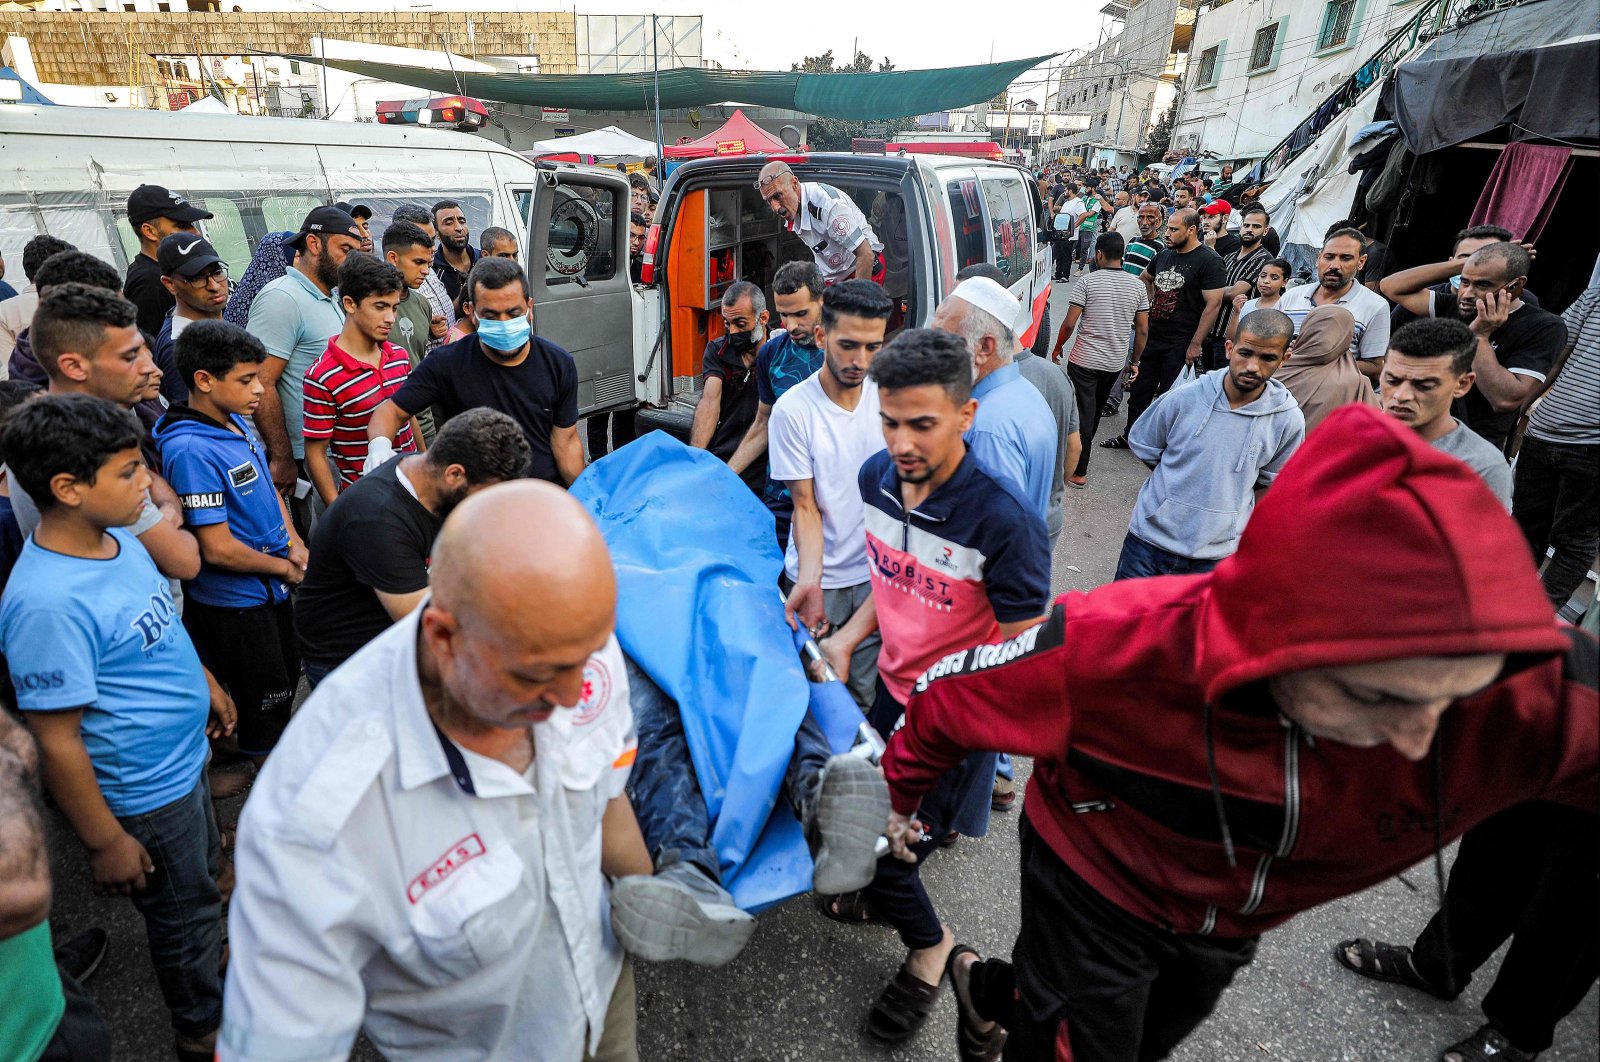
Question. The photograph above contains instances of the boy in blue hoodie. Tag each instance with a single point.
(238, 610)
(1213, 444)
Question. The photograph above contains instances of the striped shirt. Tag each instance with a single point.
(1110, 298)
(341, 394)
(1570, 412)
(1239, 268)
(1138, 254)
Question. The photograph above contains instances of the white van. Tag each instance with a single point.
(936, 215)
(68, 171)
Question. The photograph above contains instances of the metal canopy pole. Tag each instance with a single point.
(655, 64)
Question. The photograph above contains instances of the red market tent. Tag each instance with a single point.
(737, 136)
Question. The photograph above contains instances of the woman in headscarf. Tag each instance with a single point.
(1321, 372)
(266, 265)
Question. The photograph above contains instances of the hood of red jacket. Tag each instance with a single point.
(1371, 545)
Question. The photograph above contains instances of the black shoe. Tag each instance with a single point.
(1109, 410)
(1119, 443)
(81, 956)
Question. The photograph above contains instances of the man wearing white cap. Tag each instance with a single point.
(1013, 434)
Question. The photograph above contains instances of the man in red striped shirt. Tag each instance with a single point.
(358, 371)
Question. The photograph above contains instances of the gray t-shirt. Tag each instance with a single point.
(1058, 395)
(1478, 454)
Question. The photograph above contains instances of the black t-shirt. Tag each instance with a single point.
(143, 289)
(1227, 244)
(540, 393)
(738, 409)
(1181, 281)
(1530, 340)
(375, 537)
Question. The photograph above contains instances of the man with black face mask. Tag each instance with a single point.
(372, 547)
(502, 366)
(729, 394)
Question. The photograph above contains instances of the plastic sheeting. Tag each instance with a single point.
(698, 609)
(860, 96)
(1316, 189)
(1535, 67)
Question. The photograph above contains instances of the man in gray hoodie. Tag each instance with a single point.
(1213, 445)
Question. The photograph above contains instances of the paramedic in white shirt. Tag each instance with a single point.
(422, 855)
(830, 223)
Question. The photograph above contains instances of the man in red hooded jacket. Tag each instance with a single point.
(1217, 753)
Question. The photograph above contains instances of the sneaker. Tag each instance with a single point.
(843, 824)
(678, 913)
(1005, 794)
(81, 956)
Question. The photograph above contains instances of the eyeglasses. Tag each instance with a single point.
(205, 279)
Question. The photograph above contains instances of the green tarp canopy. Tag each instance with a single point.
(860, 97)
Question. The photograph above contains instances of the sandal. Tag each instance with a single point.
(1488, 1044)
(1390, 963)
(1118, 443)
(229, 836)
(902, 1008)
(971, 1045)
(850, 908)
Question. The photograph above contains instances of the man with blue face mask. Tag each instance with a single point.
(501, 366)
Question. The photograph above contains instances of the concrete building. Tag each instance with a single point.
(1259, 67)
(1124, 83)
(164, 54)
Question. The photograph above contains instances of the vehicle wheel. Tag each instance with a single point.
(1041, 342)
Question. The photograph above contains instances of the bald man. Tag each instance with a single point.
(828, 221)
(422, 856)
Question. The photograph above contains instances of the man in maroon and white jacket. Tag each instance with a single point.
(1374, 672)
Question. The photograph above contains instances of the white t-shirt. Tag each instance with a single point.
(809, 437)
(1125, 223)
(1071, 210)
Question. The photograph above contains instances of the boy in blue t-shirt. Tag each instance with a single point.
(237, 609)
(113, 692)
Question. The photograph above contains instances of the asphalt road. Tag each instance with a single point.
(801, 989)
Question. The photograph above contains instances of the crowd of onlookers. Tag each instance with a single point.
(214, 487)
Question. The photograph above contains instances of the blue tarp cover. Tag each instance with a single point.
(698, 609)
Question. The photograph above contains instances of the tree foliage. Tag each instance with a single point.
(1159, 138)
(835, 134)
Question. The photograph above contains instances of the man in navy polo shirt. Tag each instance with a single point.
(502, 366)
(957, 557)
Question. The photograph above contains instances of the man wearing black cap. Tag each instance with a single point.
(294, 317)
(154, 214)
(192, 273)
(363, 214)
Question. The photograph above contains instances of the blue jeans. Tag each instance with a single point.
(314, 673)
(1140, 559)
(182, 907)
(665, 791)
